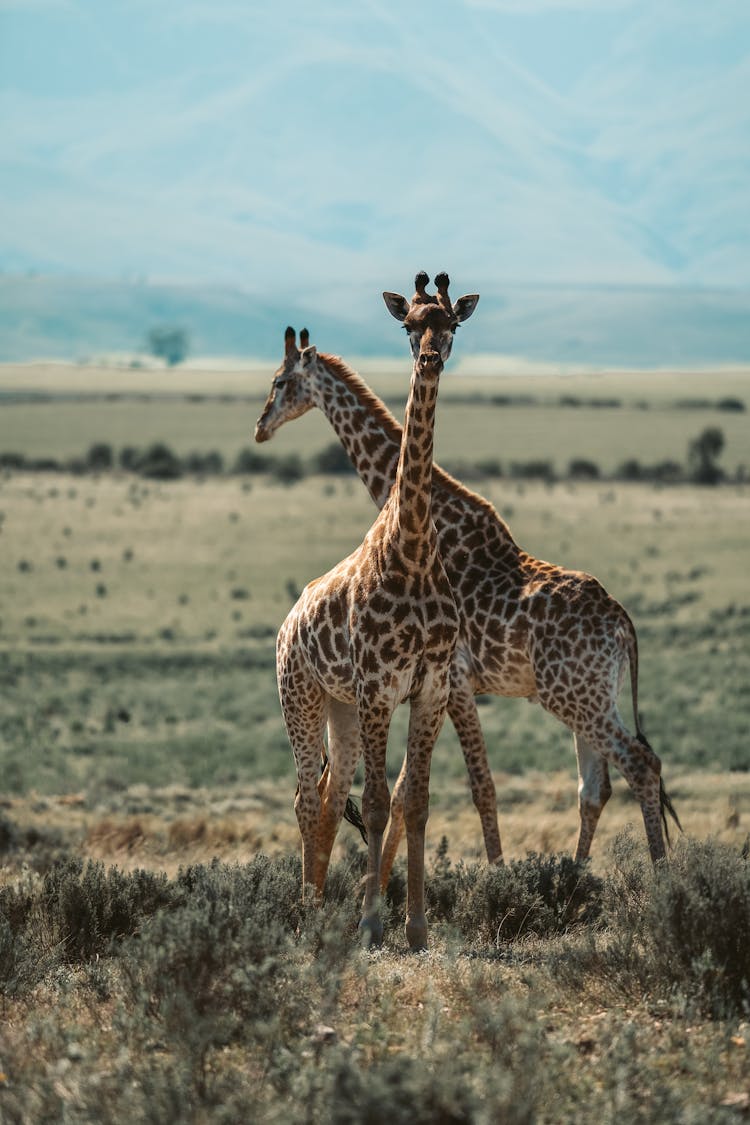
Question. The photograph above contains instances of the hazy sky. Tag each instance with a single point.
(331, 146)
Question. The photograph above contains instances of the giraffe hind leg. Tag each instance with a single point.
(641, 768)
(463, 713)
(665, 800)
(594, 790)
(395, 831)
(425, 720)
(344, 750)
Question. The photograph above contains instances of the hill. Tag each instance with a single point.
(74, 318)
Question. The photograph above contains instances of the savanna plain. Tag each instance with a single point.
(157, 960)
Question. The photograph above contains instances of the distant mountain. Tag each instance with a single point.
(52, 317)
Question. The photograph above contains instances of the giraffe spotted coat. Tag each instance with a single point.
(528, 628)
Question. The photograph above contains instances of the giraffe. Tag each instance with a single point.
(529, 628)
(376, 630)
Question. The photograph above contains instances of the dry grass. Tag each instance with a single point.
(537, 813)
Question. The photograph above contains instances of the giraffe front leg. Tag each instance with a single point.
(425, 721)
(307, 810)
(462, 710)
(375, 810)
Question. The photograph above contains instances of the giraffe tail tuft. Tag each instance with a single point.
(665, 801)
(354, 816)
(351, 812)
(667, 807)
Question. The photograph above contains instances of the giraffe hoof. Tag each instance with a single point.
(371, 932)
(416, 935)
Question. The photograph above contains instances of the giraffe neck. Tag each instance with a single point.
(413, 525)
(371, 437)
(369, 433)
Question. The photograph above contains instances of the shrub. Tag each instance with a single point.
(540, 895)
(169, 343)
(99, 457)
(12, 461)
(533, 470)
(667, 471)
(88, 907)
(130, 456)
(703, 452)
(490, 467)
(581, 469)
(683, 927)
(332, 459)
(219, 965)
(249, 461)
(288, 469)
(159, 463)
(402, 1090)
(630, 470)
(733, 405)
(205, 464)
(445, 884)
(43, 465)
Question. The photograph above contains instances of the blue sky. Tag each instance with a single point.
(332, 148)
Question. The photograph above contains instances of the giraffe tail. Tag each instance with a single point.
(354, 816)
(351, 812)
(665, 801)
(667, 807)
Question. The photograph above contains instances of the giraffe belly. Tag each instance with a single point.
(511, 681)
(501, 669)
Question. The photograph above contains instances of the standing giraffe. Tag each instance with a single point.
(529, 628)
(376, 630)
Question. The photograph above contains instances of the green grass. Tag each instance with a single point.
(204, 412)
(163, 600)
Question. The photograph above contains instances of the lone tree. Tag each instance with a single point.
(702, 454)
(170, 344)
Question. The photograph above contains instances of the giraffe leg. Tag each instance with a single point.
(462, 710)
(344, 749)
(395, 829)
(594, 790)
(463, 713)
(426, 718)
(304, 706)
(307, 810)
(641, 768)
(373, 724)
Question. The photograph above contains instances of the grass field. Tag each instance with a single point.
(140, 727)
(69, 409)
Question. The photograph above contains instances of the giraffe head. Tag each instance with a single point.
(431, 320)
(291, 390)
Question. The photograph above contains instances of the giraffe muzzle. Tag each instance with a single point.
(430, 361)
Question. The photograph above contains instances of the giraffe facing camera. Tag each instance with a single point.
(377, 630)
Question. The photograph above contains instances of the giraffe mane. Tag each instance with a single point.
(377, 409)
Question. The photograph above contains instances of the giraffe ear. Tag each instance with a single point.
(397, 305)
(464, 306)
(308, 355)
